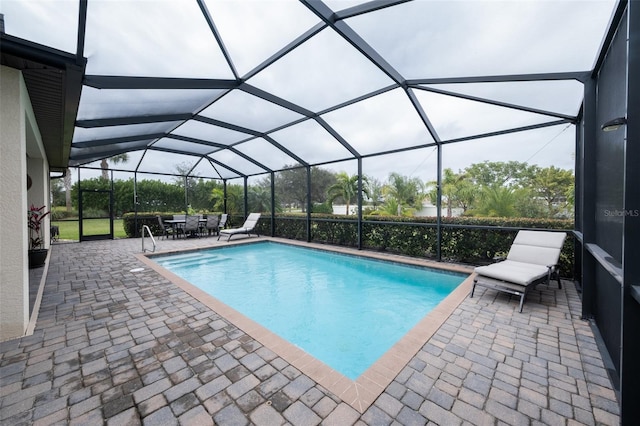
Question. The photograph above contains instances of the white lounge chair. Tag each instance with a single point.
(532, 259)
(246, 228)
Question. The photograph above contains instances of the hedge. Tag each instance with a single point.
(414, 236)
(417, 236)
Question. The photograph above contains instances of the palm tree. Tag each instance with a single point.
(235, 198)
(259, 198)
(346, 187)
(407, 192)
(375, 192)
(457, 191)
(104, 164)
(498, 201)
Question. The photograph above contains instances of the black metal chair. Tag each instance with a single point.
(212, 225)
(191, 226)
(164, 228)
(223, 221)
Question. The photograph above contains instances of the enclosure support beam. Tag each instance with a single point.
(630, 370)
(359, 203)
(439, 206)
(273, 204)
(308, 204)
(186, 195)
(587, 198)
(224, 195)
(135, 202)
(246, 198)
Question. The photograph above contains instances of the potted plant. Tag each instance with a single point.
(37, 252)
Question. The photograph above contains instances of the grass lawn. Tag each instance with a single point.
(69, 228)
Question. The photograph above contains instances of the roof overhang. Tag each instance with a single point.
(54, 82)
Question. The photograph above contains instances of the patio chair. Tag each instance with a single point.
(191, 225)
(223, 220)
(212, 225)
(532, 259)
(246, 228)
(164, 228)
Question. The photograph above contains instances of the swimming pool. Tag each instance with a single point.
(346, 311)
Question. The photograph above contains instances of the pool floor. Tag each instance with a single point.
(361, 392)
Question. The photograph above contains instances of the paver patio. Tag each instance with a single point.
(117, 347)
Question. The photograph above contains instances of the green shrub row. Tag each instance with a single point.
(415, 236)
(60, 213)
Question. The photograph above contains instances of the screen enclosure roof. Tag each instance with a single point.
(231, 89)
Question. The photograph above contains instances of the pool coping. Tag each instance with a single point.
(362, 392)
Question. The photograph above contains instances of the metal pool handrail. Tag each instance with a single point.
(153, 240)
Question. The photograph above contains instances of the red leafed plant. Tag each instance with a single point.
(36, 218)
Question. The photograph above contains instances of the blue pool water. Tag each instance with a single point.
(344, 310)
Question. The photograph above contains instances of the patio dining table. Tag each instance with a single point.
(175, 224)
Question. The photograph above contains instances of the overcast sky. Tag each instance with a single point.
(420, 39)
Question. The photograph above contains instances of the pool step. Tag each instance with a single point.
(192, 260)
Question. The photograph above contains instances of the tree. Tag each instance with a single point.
(199, 193)
(57, 192)
(291, 185)
(497, 201)
(346, 188)
(375, 192)
(406, 192)
(391, 208)
(457, 191)
(116, 159)
(259, 198)
(235, 199)
(552, 185)
(493, 174)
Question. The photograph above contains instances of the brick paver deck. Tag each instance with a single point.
(117, 347)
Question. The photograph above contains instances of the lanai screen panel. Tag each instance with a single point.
(249, 111)
(550, 146)
(140, 38)
(556, 96)
(254, 31)
(101, 133)
(237, 162)
(456, 118)
(205, 169)
(85, 155)
(311, 142)
(424, 39)
(40, 22)
(382, 123)
(323, 72)
(171, 144)
(130, 162)
(266, 153)
(420, 163)
(112, 103)
(164, 162)
(210, 133)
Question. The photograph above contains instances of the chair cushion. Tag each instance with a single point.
(537, 247)
(512, 271)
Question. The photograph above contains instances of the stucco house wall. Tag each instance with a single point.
(21, 153)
